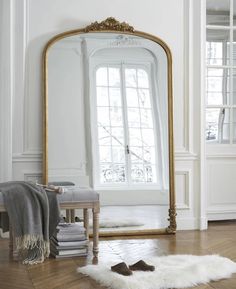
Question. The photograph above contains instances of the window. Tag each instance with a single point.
(125, 126)
(221, 72)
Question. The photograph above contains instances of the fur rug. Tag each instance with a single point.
(174, 271)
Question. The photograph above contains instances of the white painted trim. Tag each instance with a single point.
(223, 156)
(187, 57)
(185, 156)
(26, 31)
(221, 215)
(35, 176)
(6, 88)
(27, 157)
(202, 168)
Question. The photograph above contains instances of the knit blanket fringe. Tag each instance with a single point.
(33, 249)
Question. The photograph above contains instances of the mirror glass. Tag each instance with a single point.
(107, 125)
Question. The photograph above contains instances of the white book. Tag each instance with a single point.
(68, 238)
(69, 256)
(70, 243)
(70, 227)
(54, 251)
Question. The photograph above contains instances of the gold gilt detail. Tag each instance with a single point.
(109, 24)
(172, 218)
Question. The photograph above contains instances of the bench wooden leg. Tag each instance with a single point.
(95, 231)
(68, 215)
(11, 240)
(86, 221)
(72, 215)
(12, 245)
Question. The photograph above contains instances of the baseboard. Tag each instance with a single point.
(219, 216)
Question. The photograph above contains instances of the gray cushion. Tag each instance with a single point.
(61, 183)
(75, 194)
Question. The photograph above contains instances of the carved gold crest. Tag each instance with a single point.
(109, 24)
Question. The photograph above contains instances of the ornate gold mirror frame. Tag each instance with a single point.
(111, 25)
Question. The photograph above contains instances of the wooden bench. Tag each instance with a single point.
(86, 199)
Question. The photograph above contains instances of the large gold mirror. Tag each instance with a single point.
(108, 123)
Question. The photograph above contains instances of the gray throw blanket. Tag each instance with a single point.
(34, 214)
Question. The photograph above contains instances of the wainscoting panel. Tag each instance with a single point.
(221, 187)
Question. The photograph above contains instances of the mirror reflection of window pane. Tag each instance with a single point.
(114, 76)
(105, 154)
(118, 154)
(217, 125)
(217, 47)
(135, 138)
(117, 134)
(137, 173)
(234, 86)
(148, 137)
(102, 96)
(234, 47)
(133, 117)
(217, 86)
(142, 78)
(218, 12)
(234, 125)
(144, 98)
(103, 116)
(149, 154)
(130, 77)
(112, 173)
(136, 153)
(115, 97)
(234, 12)
(116, 116)
(102, 77)
(119, 174)
(132, 97)
(150, 173)
(146, 118)
(104, 135)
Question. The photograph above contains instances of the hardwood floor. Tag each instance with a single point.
(220, 238)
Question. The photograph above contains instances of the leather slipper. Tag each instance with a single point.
(141, 266)
(122, 269)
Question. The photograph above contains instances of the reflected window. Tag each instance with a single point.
(125, 125)
(220, 71)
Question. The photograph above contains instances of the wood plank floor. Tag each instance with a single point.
(220, 238)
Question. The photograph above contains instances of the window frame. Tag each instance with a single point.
(147, 66)
(216, 145)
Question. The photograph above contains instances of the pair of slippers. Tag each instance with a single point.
(125, 270)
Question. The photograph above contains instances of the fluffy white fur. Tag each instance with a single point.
(174, 271)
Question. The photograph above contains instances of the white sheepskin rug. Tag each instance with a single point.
(174, 271)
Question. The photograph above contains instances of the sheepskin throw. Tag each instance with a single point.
(174, 271)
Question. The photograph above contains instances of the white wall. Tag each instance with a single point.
(35, 22)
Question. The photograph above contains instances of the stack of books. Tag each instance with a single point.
(69, 241)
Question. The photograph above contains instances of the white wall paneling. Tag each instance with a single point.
(6, 88)
(221, 184)
(220, 162)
